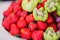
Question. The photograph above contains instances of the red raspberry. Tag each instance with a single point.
(32, 26)
(24, 14)
(42, 25)
(37, 35)
(29, 18)
(25, 33)
(6, 23)
(50, 19)
(14, 30)
(21, 23)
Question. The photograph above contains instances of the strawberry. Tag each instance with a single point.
(18, 14)
(37, 35)
(6, 13)
(10, 9)
(42, 25)
(17, 8)
(25, 33)
(54, 26)
(14, 30)
(6, 23)
(32, 26)
(21, 23)
(50, 19)
(12, 4)
(24, 14)
(14, 18)
(19, 2)
(30, 18)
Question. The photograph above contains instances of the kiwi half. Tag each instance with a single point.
(29, 5)
(40, 14)
(50, 34)
(51, 5)
(58, 10)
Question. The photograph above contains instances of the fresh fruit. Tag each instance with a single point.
(42, 25)
(32, 26)
(50, 19)
(54, 27)
(19, 2)
(37, 35)
(43, 3)
(25, 33)
(50, 5)
(30, 18)
(38, 6)
(40, 14)
(21, 23)
(50, 34)
(10, 9)
(33, 19)
(29, 5)
(14, 30)
(40, 1)
(58, 33)
(6, 13)
(58, 10)
(18, 14)
(6, 23)
(13, 18)
(24, 14)
(16, 8)
(58, 1)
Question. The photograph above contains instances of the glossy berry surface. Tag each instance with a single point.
(33, 19)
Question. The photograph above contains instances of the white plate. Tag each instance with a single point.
(4, 35)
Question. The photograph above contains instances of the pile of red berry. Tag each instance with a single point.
(20, 22)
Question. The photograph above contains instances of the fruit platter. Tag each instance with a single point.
(33, 19)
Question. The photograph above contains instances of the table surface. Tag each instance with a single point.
(4, 35)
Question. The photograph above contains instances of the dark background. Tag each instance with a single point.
(8, 0)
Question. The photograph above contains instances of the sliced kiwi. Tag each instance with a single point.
(40, 1)
(29, 5)
(50, 34)
(51, 5)
(58, 10)
(40, 14)
(58, 1)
